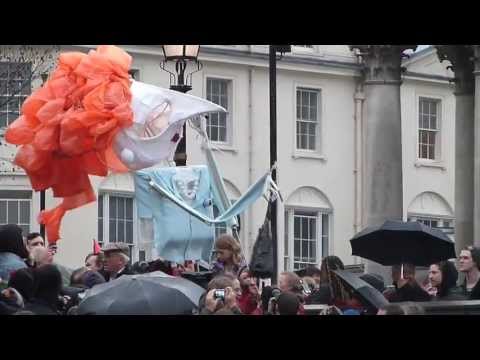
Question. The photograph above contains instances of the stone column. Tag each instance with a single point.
(476, 140)
(382, 175)
(460, 57)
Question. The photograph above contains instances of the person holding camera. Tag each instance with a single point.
(221, 295)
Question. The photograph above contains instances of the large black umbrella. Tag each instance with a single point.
(366, 292)
(146, 294)
(397, 242)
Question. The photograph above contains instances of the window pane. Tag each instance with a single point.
(433, 122)
(296, 249)
(305, 234)
(305, 99)
(113, 207)
(3, 212)
(129, 232)
(100, 229)
(222, 134)
(129, 208)
(100, 206)
(112, 231)
(296, 227)
(121, 207)
(25, 212)
(305, 113)
(13, 212)
(313, 228)
(121, 231)
(312, 249)
(304, 251)
(313, 99)
(3, 119)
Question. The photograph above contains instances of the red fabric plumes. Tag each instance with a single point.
(67, 127)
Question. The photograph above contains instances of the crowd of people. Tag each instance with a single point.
(32, 283)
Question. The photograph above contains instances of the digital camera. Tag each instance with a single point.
(219, 294)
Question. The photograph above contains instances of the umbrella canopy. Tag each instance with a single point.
(397, 242)
(147, 294)
(365, 291)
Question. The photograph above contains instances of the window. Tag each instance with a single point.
(116, 220)
(307, 119)
(445, 225)
(429, 129)
(15, 86)
(15, 208)
(306, 238)
(219, 92)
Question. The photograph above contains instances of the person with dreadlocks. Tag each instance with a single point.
(340, 295)
(329, 285)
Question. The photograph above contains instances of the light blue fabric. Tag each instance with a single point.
(185, 231)
(9, 263)
(178, 236)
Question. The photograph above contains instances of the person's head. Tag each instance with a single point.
(48, 283)
(289, 281)
(221, 282)
(408, 272)
(329, 264)
(315, 273)
(469, 259)
(41, 256)
(443, 276)
(76, 278)
(22, 280)
(116, 257)
(11, 240)
(34, 239)
(237, 288)
(288, 303)
(94, 261)
(227, 250)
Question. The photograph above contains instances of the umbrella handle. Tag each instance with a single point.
(401, 272)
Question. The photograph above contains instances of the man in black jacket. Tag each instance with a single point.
(117, 260)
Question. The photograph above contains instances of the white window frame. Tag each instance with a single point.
(441, 220)
(231, 89)
(106, 220)
(439, 143)
(318, 152)
(27, 199)
(16, 96)
(288, 252)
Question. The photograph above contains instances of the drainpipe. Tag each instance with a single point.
(250, 234)
(359, 98)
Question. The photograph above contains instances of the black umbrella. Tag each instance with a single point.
(366, 292)
(146, 294)
(397, 242)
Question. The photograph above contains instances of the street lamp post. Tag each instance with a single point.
(181, 55)
(42, 192)
(273, 143)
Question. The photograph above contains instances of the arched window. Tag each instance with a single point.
(432, 210)
(308, 215)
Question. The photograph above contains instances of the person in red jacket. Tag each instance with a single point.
(249, 299)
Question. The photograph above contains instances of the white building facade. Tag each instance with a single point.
(319, 117)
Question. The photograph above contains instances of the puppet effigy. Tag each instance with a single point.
(91, 118)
